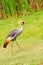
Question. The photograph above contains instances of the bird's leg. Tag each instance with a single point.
(12, 45)
(12, 48)
(18, 45)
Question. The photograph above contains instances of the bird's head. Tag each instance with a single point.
(20, 22)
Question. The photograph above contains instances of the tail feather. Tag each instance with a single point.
(6, 42)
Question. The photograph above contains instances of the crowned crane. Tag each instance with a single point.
(13, 35)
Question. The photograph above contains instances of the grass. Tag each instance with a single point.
(31, 40)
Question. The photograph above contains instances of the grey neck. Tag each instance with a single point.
(21, 27)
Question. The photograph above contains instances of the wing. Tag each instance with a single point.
(12, 33)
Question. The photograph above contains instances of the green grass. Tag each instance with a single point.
(31, 40)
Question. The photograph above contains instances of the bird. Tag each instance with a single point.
(14, 34)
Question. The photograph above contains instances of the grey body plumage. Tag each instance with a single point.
(14, 33)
